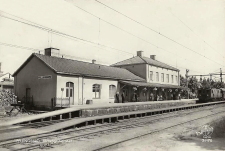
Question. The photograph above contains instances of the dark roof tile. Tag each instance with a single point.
(144, 60)
(68, 66)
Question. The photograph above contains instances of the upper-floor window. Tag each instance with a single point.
(151, 75)
(112, 91)
(96, 89)
(167, 78)
(176, 79)
(162, 77)
(172, 78)
(157, 76)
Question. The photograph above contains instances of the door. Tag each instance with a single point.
(70, 92)
(28, 98)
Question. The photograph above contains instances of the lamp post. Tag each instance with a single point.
(62, 89)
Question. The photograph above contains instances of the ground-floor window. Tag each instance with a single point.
(69, 89)
(112, 91)
(96, 89)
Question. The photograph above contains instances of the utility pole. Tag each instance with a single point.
(187, 81)
(221, 75)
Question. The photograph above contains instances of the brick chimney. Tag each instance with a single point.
(48, 51)
(152, 57)
(93, 61)
(140, 53)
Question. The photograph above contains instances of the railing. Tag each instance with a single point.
(61, 102)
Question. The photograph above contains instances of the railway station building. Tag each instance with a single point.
(161, 80)
(47, 80)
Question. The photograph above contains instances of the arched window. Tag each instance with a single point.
(112, 91)
(69, 89)
(96, 89)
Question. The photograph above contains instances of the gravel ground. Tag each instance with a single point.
(173, 139)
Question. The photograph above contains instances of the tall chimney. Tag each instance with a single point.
(93, 61)
(140, 53)
(152, 57)
(48, 51)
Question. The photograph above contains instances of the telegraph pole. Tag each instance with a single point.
(221, 75)
(187, 81)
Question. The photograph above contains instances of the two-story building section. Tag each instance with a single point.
(162, 80)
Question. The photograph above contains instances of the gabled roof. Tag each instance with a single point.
(74, 67)
(144, 60)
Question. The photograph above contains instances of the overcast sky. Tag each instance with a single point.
(199, 25)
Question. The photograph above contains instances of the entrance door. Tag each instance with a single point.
(27, 92)
(69, 92)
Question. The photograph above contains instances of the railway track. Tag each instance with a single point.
(152, 132)
(34, 142)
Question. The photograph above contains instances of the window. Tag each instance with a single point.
(162, 77)
(69, 89)
(167, 78)
(151, 75)
(172, 78)
(112, 91)
(157, 76)
(96, 89)
(176, 80)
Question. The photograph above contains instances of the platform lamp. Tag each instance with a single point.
(62, 89)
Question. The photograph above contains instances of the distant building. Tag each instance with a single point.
(6, 81)
(162, 80)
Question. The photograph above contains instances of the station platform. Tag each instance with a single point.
(71, 123)
(98, 110)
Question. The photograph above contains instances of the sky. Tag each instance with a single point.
(184, 34)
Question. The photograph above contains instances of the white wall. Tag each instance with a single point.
(88, 94)
(83, 89)
(162, 70)
(61, 83)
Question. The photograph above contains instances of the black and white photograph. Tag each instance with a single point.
(112, 75)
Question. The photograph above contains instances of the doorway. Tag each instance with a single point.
(70, 92)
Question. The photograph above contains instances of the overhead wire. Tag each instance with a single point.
(64, 55)
(64, 34)
(195, 33)
(151, 29)
(128, 32)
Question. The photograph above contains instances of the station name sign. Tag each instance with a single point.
(45, 77)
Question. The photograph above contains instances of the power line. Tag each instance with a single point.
(195, 33)
(21, 47)
(67, 35)
(69, 56)
(59, 33)
(46, 28)
(157, 32)
(125, 31)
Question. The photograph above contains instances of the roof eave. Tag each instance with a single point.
(96, 76)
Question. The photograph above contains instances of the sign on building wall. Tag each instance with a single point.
(45, 77)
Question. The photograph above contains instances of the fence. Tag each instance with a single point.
(62, 102)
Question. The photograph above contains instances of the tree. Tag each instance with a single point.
(193, 84)
(206, 84)
(182, 81)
